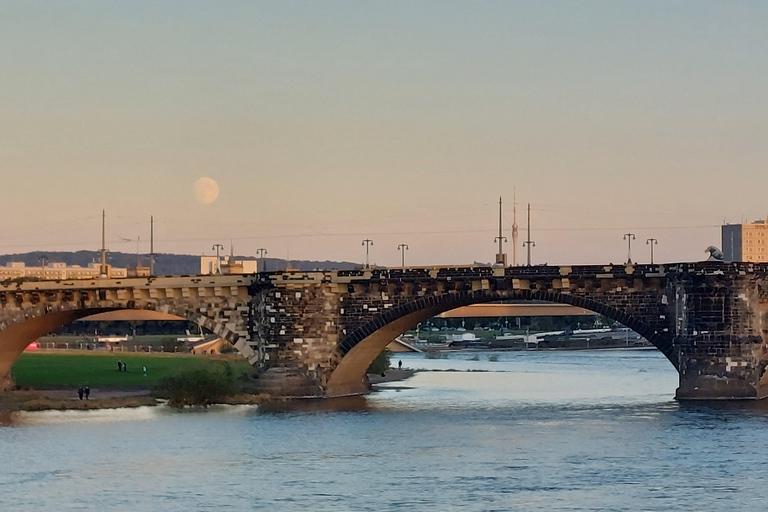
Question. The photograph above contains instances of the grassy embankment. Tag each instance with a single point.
(71, 369)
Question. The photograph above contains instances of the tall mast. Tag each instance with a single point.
(152, 245)
(514, 227)
(501, 258)
(103, 269)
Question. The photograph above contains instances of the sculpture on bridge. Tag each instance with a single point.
(715, 254)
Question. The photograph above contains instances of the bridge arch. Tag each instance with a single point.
(35, 322)
(357, 350)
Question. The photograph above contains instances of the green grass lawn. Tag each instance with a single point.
(46, 370)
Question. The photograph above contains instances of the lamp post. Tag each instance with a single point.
(402, 248)
(529, 243)
(261, 252)
(218, 247)
(652, 242)
(367, 243)
(629, 237)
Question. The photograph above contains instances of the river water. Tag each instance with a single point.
(594, 430)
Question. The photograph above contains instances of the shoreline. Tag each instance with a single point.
(58, 399)
(66, 399)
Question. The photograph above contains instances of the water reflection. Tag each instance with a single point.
(340, 404)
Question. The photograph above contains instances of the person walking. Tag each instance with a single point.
(87, 392)
(120, 366)
(399, 364)
(80, 392)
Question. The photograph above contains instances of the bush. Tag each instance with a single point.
(172, 344)
(380, 364)
(196, 387)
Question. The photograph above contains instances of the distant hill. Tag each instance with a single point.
(165, 264)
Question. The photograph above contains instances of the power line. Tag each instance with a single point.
(364, 233)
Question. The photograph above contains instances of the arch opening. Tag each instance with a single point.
(358, 349)
(16, 337)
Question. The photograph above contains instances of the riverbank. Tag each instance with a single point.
(66, 399)
(391, 375)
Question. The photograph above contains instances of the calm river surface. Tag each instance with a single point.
(536, 431)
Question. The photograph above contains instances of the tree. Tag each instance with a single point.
(381, 363)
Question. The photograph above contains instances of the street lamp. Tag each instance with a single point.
(402, 248)
(629, 237)
(261, 252)
(367, 243)
(529, 243)
(651, 242)
(216, 247)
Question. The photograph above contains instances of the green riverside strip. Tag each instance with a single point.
(46, 370)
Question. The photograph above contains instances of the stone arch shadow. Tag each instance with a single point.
(17, 336)
(357, 350)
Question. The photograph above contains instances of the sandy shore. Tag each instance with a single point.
(60, 399)
(391, 375)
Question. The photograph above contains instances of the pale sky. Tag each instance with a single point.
(325, 123)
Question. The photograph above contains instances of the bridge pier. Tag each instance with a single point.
(723, 370)
(721, 331)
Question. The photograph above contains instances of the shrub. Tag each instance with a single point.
(380, 364)
(196, 387)
(172, 344)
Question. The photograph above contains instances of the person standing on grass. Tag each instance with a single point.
(120, 366)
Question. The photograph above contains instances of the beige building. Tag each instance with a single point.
(746, 242)
(58, 271)
(226, 265)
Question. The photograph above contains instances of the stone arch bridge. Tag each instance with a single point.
(315, 333)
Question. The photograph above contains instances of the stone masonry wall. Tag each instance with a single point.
(219, 303)
(721, 331)
(709, 319)
(308, 322)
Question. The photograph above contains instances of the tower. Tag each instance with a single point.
(514, 228)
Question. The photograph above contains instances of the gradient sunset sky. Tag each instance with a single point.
(324, 123)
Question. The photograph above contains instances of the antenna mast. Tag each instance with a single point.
(501, 258)
(152, 245)
(103, 269)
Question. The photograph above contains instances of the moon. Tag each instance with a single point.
(206, 190)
